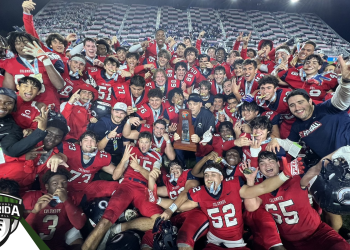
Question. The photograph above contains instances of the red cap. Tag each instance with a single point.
(87, 87)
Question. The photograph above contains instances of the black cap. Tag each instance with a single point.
(194, 97)
(9, 93)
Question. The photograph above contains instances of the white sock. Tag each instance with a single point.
(116, 229)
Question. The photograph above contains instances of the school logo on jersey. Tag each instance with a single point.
(11, 211)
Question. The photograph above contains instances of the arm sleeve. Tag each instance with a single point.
(77, 49)
(236, 45)
(341, 98)
(75, 214)
(66, 109)
(244, 54)
(15, 145)
(29, 25)
(198, 45)
(136, 48)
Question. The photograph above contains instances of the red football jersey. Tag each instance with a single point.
(123, 94)
(83, 174)
(69, 83)
(50, 223)
(194, 76)
(218, 144)
(25, 114)
(224, 212)
(316, 90)
(48, 93)
(291, 209)
(216, 88)
(170, 114)
(175, 190)
(169, 85)
(90, 67)
(270, 65)
(243, 91)
(146, 161)
(151, 50)
(105, 86)
(280, 106)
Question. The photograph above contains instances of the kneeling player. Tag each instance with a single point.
(136, 164)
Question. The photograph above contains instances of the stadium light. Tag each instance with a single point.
(294, 1)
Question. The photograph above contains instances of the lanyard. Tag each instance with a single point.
(159, 144)
(75, 75)
(248, 87)
(218, 88)
(34, 69)
(177, 108)
(90, 60)
(155, 114)
(132, 100)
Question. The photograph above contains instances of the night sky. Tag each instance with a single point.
(334, 12)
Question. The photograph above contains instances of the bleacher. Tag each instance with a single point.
(134, 23)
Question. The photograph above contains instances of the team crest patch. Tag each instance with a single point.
(185, 114)
(11, 211)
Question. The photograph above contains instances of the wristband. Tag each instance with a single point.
(159, 200)
(168, 141)
(47, 62)
(173, 207)
(107, 137)
(283, 177)
(128, 122)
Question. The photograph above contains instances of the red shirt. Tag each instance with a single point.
(25, 113)
(295, 218)
(52, 222)
(224, 212)
(255, 85)
(175, 190)
(83, 174)
(146, 161)
(48, 93)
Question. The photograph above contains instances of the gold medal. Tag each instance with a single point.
(261, 97)
(233, 110)
(80, 73)
(157, 150)
(247, 171)
(218, 160)
(39, 76)
(134, 109)
(202, 94)
(153, 70)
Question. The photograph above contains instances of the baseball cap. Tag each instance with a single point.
(194, 97)
(9, 93)
(120, 106)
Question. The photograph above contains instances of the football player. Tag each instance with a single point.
(31, 60)
(218, 81)
(27, 109)
(55, 215)
(220, 200)
(161, 140)
(136, 164)
(299, 225)
(193, 224)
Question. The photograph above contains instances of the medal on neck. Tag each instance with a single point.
(158, 144)
(34, 69)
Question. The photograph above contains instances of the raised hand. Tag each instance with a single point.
(42, 202)
(135, 121)
(28, 6)
(35, 50)
(61, 193)
(172, 127)
(113, 133)
(75, 97)
(134, 163)
(295, 167)
(42, 118)
(249, 172)
(235, 85)
(239, 37)
(54, 162)
(273, 145)
(71, 37)
(32, 154)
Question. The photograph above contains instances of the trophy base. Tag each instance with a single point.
(188, 146)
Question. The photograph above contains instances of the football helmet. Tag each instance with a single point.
(331, 189)
(128, 240)
(165, 238)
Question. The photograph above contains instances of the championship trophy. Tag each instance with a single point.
(185, 130)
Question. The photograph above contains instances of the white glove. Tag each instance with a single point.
(36, 51)
(207, 136)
